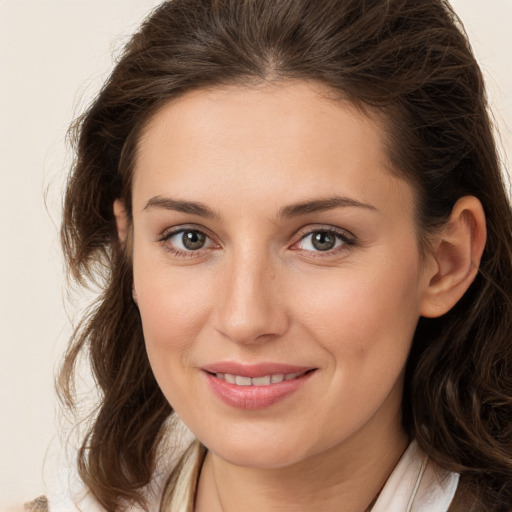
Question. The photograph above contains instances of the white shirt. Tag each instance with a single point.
(415, 485)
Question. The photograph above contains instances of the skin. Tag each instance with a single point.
(259, 290)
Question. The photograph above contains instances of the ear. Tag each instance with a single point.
(122, 223)
(123, 226)
(457, 251)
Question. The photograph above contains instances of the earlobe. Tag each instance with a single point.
(121, 216)
(457, 252)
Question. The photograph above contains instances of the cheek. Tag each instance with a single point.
(364, 322)
(359, 312)
(173, 309)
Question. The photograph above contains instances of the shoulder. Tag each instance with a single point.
(180, 489)
(417, 484)
(471, 496)
(40, 504)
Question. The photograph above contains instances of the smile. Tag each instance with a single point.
(255, 386)
(265, 380)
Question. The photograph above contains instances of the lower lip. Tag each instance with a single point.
(255, 397)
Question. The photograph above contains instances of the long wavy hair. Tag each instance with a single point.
(408, 60)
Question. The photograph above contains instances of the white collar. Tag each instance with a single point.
(415, 485)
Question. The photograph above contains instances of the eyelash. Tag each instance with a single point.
(348, 241)
(167, 235)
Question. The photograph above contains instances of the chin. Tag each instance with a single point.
(258, 457)
(256, 449)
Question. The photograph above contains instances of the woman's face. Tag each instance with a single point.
(276, 270)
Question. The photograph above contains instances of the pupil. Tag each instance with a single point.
(193, 240)
(324, 241)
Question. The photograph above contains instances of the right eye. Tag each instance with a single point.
(185, 241)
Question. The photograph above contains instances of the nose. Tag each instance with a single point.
(250, 307)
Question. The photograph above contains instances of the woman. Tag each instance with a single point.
(296, 212)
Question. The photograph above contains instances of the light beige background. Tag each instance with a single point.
(54, 55)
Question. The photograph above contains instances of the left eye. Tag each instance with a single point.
(322, 241)
(188, 240)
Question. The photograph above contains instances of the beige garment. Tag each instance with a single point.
(415, 485)
(40, 504)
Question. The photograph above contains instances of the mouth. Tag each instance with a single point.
(252, 387)
(264, 380)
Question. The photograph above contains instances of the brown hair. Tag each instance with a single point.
(406, 59)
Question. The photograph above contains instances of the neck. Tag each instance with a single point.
(346, 477)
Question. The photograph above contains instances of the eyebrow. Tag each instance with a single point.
(286, 212)
(321, 205)
(177, 205)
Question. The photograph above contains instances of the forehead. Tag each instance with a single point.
(292, 138)
(292, 110)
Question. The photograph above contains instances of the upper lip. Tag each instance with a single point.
(254, 370)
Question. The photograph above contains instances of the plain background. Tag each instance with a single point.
(54, 56)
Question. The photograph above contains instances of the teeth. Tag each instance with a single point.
(243, 381)
(261, 381)
(257, 381)
(228, 378)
